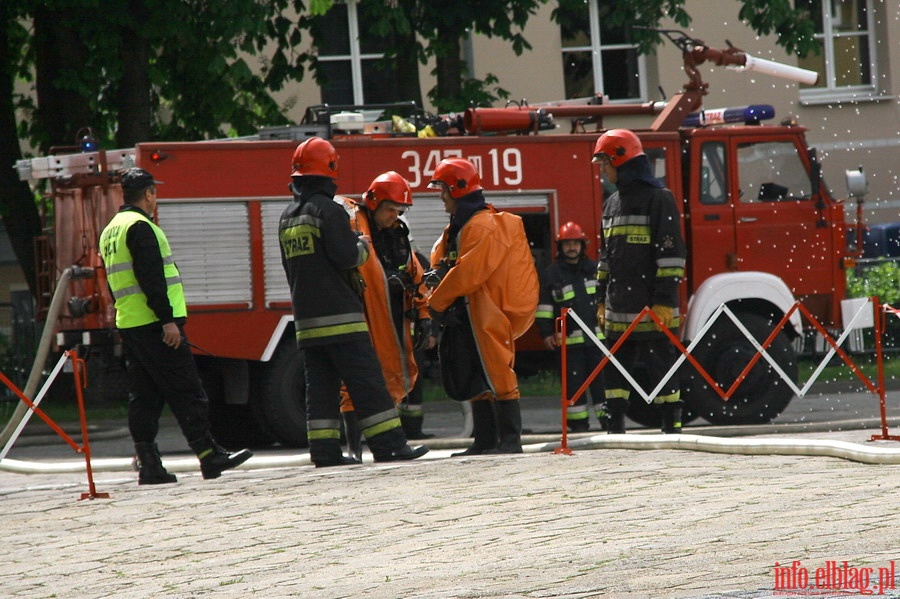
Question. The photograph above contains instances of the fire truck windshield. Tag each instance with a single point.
(772, 172)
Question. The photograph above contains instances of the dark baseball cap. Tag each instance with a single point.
(137, 178)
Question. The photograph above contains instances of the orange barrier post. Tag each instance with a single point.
(880, 315)
(80, 371)
(562, 332)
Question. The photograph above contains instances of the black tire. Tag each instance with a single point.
(278, 394)
(724, 354)
(232, 426)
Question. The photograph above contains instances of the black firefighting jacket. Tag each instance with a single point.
(320, 254)
(642, 251)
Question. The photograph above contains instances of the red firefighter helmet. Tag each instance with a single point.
(458, 174)
(315, 156)
(571, 231)
(389, 186)
(619, 146)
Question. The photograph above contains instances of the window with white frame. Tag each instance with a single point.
(846, 59)
(350, 58)
(598, 58)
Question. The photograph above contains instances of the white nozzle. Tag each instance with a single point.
(776, 69)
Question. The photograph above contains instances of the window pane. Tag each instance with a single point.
(814, 10)
(771, 172)
(851, 61)
(613, 34)
(574, 27)
(379, 82)
(620, 74)
(814, 62)
(336, 82)
(849, 15)
(578, 73)
(335, 38)
(368, 42)
(713, 174)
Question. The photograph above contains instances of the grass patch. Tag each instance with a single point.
(542, 384)
(65, 411)
(837, 370)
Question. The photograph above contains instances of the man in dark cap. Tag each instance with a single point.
(150, 315)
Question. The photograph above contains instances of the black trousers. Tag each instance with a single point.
(581, 360)
(647, 361)
(356, 364)
(158, 376)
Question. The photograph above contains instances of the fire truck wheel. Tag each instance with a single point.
(278, 395)
(724, 354)
(232, 425)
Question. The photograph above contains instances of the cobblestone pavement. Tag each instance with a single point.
(599, 523)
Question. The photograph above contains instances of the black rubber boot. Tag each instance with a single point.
(602, 416)
(405, 453)
(578, 426)
(353, 435)
(671, 417)
(150, 467)
(509, 425)
(214, 460)
(391, 446)
(412, 427)
(484, 429)
(615, 411)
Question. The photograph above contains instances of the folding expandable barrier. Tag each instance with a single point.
(880, 310)
(80, 374)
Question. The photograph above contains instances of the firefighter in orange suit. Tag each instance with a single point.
(484, 294)
(395, 305)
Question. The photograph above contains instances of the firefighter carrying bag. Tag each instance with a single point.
(461, 371)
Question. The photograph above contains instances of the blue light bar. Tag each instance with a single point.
(749, 115)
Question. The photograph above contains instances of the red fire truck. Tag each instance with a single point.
(762, 231)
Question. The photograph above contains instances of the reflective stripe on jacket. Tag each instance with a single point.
(131, 302)
(572, 286)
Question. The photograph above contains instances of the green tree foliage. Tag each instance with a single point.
(881, 280)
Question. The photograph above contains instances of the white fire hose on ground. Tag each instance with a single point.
(866, 454)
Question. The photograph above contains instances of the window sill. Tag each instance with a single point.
(853, 97)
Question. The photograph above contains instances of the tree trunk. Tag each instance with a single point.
(20, 213)
(59, 52)
(407, 62)
(134, 107)
(449, 67)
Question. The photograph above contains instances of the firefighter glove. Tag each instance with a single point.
(666, 314)
(601, 315)
(450, 317)
(422, 332)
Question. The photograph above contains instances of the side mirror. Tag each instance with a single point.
(857, 185)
